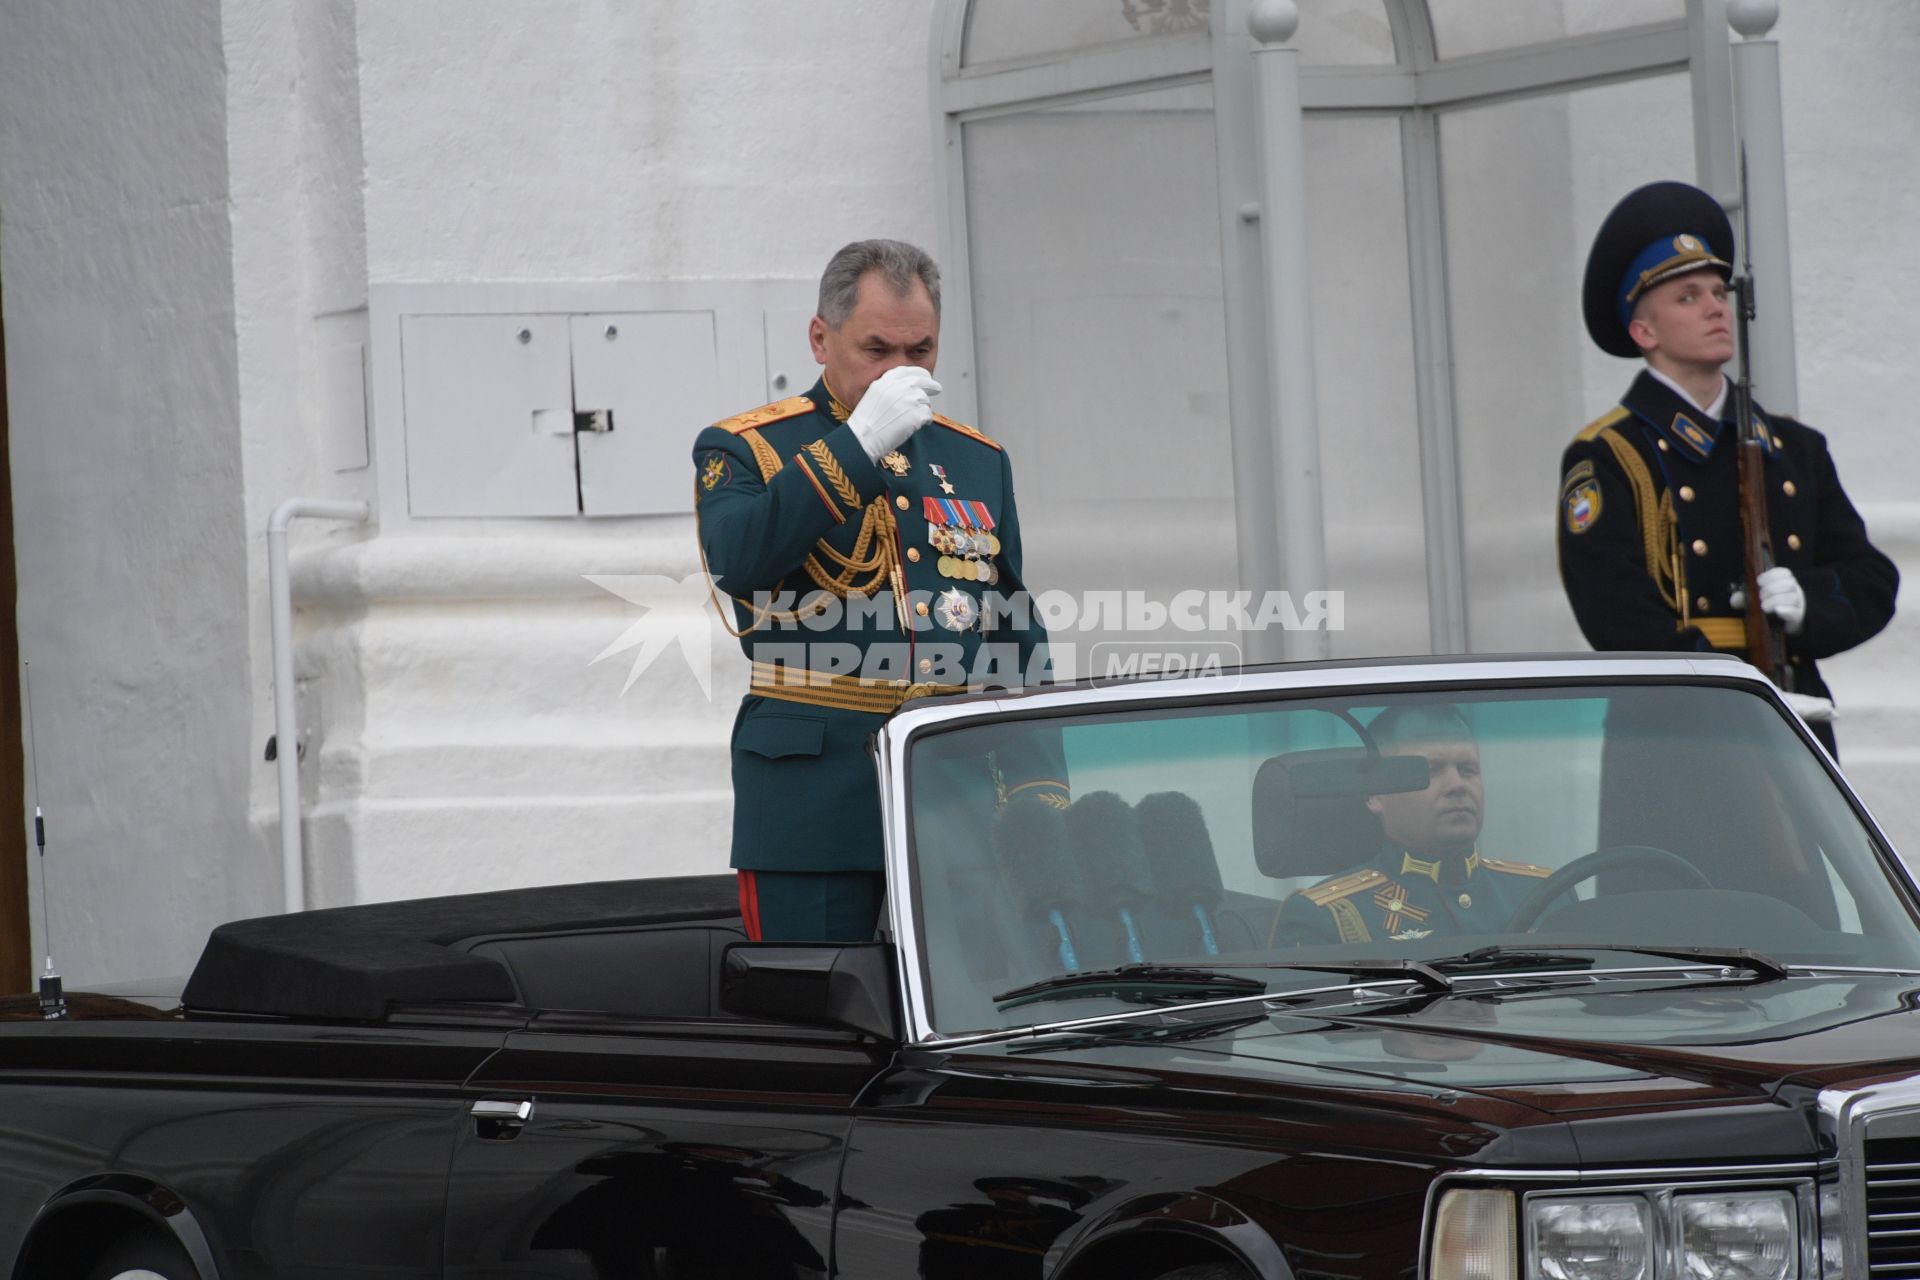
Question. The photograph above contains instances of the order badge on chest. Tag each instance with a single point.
(961, 530)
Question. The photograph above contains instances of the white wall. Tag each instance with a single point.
(127, 476)
(191, 244)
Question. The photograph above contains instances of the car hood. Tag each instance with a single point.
(1563, 1050)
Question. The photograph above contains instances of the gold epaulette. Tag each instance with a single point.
(791, 407)
(1516, 868)
(965, 430)
(1345, 887)
(1601, 423)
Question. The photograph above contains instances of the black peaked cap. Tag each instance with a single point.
(1653, 212)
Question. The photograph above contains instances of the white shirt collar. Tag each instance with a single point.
(1712, 411)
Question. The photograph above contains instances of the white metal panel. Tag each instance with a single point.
(791, 368)
(658, 374)
(472, 388)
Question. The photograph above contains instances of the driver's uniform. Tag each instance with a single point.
(1402, 896)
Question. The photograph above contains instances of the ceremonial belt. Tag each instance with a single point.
(841, 693)
(1727, 634)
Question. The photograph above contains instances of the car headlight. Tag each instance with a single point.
(1738, 1237)
(1664, 1233)
(1591, 1238)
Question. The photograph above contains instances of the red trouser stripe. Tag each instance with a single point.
(750, 905)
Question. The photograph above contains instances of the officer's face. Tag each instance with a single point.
(1445, 818)
(883, 332)
(1688, 320)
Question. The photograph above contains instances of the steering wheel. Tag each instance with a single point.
(1527, 914)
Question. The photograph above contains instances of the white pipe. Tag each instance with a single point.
(1283, 227)
(1756, 92)
(286, 716)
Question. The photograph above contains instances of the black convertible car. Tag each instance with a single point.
(1641, 1004)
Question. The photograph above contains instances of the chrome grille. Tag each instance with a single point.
(1893, 1208)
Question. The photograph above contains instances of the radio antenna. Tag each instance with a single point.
(53, 1000)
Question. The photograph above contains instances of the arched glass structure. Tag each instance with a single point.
(1104, 173)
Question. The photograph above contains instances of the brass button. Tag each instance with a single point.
(921, 608)
(1795, 659)
(1786, 487)
(1466, 899)
(901, 502)
(1793, 540)
(1777, 444)
(1686, 493)
(1703, 604)
(913, 554)
(1699, 546)
(1662, 444)
(926, 665)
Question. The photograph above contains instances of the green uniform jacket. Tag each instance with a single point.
(1402, 896)
(1650, 542)
(880, 576)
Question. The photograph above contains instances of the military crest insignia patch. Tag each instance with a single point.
(1580, 499)
(714, 472)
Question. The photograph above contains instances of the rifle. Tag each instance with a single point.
(1766, 637)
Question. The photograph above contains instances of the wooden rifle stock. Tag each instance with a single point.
(1766, 637)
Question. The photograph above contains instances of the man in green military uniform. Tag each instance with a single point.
(1429, 878)
(870, 552)
(1651, 553)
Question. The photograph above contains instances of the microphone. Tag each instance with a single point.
(1030, 847)
(1105, 838)
(1179, 854)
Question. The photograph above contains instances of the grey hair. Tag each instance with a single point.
(897, 261)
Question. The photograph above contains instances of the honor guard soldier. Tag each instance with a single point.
(1430, 878)
(869, 550)
(1651, 548)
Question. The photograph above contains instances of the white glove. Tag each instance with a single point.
(894, 407)
(1811, 709)
(1780, 595)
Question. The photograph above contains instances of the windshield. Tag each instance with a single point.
(1378, 827)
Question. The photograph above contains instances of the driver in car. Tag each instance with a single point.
(1429, 878)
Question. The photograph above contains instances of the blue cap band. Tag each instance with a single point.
(1666, 257)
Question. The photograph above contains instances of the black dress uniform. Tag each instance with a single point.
(854, 587)
(1649, 516)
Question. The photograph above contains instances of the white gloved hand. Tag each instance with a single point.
(893, 408)
(1811, 709)
(1781, 596)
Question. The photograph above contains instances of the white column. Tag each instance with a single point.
(1289, 348)
(1756, 92)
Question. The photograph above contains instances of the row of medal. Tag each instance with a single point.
(962, 532)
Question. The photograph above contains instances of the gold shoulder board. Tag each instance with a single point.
(1516, 868)
(1601, 423)
(965, 430)
(791, 407)
(1345, 887)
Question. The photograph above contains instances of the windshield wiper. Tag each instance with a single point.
(1739, 957)
(1499, 959)
(1504, 959)
(1142, 983)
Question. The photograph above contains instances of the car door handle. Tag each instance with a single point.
(500, 1120)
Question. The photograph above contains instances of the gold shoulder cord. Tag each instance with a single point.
(1659, 531)
(873, 555)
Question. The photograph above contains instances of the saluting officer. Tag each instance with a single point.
(1429, 878)
(863, 541)
(1651, 553)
